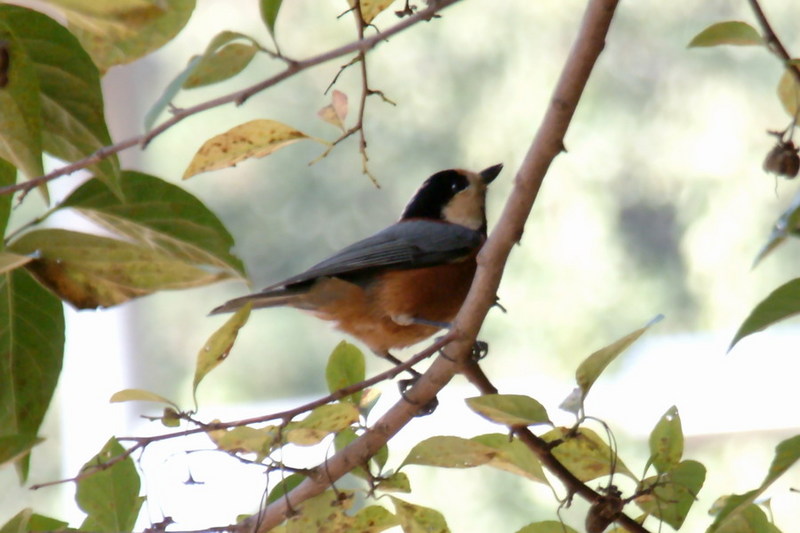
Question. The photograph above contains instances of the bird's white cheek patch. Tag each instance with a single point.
(466, 208)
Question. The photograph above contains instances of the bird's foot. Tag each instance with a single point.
(424, 410)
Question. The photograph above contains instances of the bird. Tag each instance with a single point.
(406, 282)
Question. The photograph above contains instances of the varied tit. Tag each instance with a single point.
(401, 285)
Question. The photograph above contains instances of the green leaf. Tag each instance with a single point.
(20, 105)
(257, 138)
(730, 32)
(45, 523)
(321, 422)
(218, 346)
(751, 519)
(585, 454)
(782, 303)
(73, 121)
(220, 65)
(509, 409)
(591, 368)
(285, 486)
(173, 88)
(450, 452)
(789, 92)
(14, 447)
(8, 176)
(161, 215)
(418, 519)
(787, 224)
(548, 526)
(139, 395)
(397, 482)
(89, 271)
(122, 31)
(346, 366)
(31, 353)
(666, 441)
(324, 512)
(373, 519)
(673, 493)
(269, 13)
(786, 455)
(513, 456)
(244, 439)
(110, 496)
(19, 523)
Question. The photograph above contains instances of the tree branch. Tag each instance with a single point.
(237, 97)
(773, 43)
(547, 144)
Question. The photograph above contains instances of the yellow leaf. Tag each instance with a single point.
(371, 8)
(789, 92)
(217, 347)
(257, 138)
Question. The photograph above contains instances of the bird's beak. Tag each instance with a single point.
(489, 174)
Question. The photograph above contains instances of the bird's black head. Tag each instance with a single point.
(456, 196)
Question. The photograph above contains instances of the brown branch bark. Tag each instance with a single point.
(773, 43)
(547, 144)
(237, 97)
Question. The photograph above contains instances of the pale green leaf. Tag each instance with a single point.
(788, 224)
(173, 88)
(110, 496)
(89, 271)
(418, 519)
(591, 368)
(20, 104)
(244, 439)
(673, 492)
(218, 346)
(782, 303)
(161, 216)
(31, 351)
(257, 138)
(18, 523)
(450, 452)
(789, 92)
(585, 454)
(221, 65)
(509, 409)
(730, 32)
(346, 366)
(115, 33)
(321, 422)
(269, 13)
(513, 456)
(373, 519)
(547, 526)
(666, 441)
(139, 395)
(73, 121)
(397, 482)
(285, 486)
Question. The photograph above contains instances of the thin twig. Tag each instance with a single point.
(237, 97)
(773, 43)
(142, 442)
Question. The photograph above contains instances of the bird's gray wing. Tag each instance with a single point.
(406, 244)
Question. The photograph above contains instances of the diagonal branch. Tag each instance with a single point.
(238, 97)
(773, 43)
(491, 261)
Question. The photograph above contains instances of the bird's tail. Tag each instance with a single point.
(272, 298)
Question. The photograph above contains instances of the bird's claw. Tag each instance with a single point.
(425, 410)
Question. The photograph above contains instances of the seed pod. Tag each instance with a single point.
(783, 160)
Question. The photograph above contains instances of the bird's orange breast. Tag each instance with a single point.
(372, 313)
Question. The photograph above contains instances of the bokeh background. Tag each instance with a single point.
(658, 207)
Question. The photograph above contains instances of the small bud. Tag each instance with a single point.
(783, 160)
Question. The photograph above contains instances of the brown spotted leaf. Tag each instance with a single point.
(257, 138)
